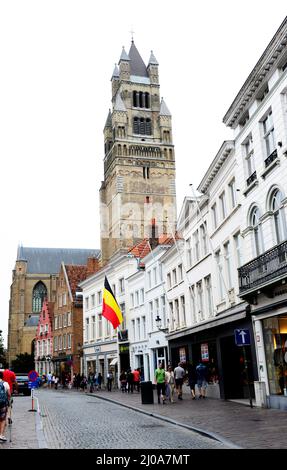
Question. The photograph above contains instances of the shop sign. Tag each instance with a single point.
(204, 352)
(124, 348)
(182, 355)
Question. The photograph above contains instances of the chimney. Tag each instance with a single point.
(153, 241)
(93, 265)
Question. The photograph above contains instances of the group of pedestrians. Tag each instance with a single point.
(171, 380)
(7, 384)
(130, 380)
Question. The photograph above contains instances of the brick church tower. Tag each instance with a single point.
(139, 163)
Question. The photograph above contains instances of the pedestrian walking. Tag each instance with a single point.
(56, 381)
(179, 374)
(110, 379)
(169, 384)
(130, 380)
(123, 380)
(201, 372)
(5, 396)
(159, 378)
(192, 379)
(100, 379)
(136, 379)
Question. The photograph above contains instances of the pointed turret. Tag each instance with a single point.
(152, 68)
(124, 63)
(109, 119)
(119, 104)
(164, 111)
(116, 72)
(115, 80)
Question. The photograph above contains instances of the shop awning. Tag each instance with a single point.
(114, 361)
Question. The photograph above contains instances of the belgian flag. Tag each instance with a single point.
(111, 310)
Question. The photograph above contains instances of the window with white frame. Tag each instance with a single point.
(108, 328)
(56, 322)
(64, 298)
(155, 276)
(208, 289)
(138, 329)
(93, 333)
(133, 330)
(64, 320)
(174, 277)
(87, 332)
(193, 303)
(176, 312)
(182, 306)
(56, 343)
(114, 290)
(171, 321)
(122, 285)
(200, 299)
(156, 302)
(232, 193)
(249, 156)
(99, 297)
(132, 300)
(123, 310)
(168, 280)
(189, 252)
(69, 341)
(257, 233)
(222, 199)
(137, 302)
(227, 256)
(100, 325)
(60, 343)
(203, 236)
(64, 341)
(142, 296)
(93, 301)
(144, 327)
(214, 216)
(196, 246)
(87, 303)
(151, 314)
(163, 311)
(237, 244)
(69, 318)
(60, 301)
(268, 134)
(149, 279)
(60, 321)
(180, 273)
(219, 274)
(277, 208)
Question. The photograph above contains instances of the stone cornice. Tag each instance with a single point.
(224, 151)
(261, 72)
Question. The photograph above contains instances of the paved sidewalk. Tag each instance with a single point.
(245, 427)
(24, 434)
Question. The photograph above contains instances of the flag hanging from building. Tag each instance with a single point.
(111, 310)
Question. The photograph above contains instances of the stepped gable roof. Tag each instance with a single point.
(48, 260)
(75, 274)
(137, 65)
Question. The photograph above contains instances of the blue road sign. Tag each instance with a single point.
(33, 384)
(242, 337)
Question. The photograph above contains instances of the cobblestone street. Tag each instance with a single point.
(75, 420)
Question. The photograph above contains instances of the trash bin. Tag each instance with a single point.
(147, 393)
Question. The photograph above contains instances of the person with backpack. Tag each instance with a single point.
(5, 395)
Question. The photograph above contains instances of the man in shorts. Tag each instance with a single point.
(201, 372)
(179, 374)
(4, 401)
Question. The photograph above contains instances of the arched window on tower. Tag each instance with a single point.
(277, 208)
(39, 294)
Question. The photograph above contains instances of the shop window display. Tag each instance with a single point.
(275, 339)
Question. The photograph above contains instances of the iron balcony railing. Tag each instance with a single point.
(251, 178)
(271, 158)
(263, 270)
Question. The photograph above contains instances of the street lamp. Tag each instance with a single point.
(158, 322)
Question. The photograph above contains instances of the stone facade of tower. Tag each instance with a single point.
(139, 163)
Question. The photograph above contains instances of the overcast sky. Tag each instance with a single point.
(56, 62)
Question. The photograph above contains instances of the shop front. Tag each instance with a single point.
(231, 368)
(271, 345)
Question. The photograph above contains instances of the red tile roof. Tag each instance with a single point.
(141, 249)
(76, 274)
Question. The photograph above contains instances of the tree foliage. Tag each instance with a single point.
(23, 363)
(3, 361)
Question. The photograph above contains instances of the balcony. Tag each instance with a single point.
(251, 178)
(265, 270)
(270, 158)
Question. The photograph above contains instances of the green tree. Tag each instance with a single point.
(23, 363)
(3, 361)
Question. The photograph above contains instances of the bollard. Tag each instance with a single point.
(32, 395)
